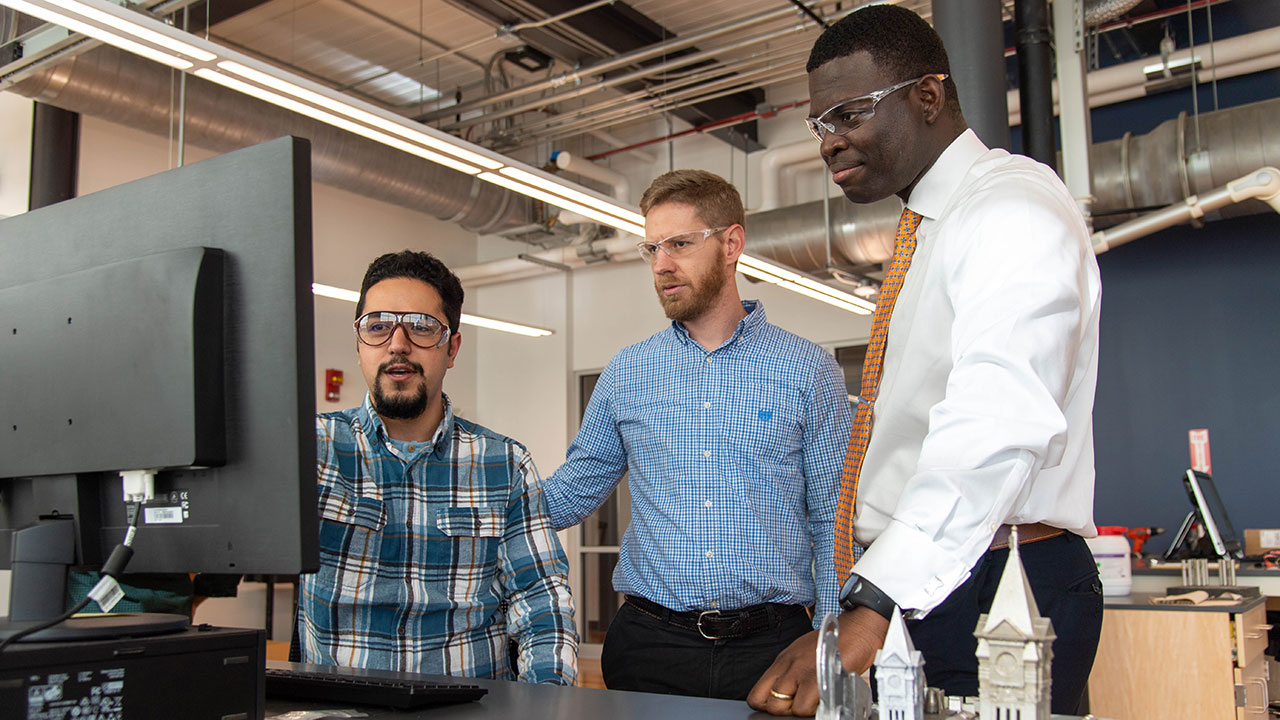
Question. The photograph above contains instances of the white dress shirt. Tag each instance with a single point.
(984, 415)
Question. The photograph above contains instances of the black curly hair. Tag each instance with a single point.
(899, 41)
(419, 266)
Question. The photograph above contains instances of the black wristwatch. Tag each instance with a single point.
(858, 591)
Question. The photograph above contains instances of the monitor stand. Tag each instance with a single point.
(42, 556)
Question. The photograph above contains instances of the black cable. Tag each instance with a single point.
(119, 556)
(43, 626)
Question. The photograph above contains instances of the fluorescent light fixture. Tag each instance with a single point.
(795, 282)
(127, 25)
(504, 326)
(565, 191)
(560, 202)
(97, 33)
(352, 296)
(331, 119)
(336, 293)
(355, 113)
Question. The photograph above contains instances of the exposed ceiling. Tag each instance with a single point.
(511, 74)
(586, 65)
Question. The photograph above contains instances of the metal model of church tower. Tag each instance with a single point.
(900, 674)
(1015, 649)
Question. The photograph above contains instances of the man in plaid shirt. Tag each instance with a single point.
(436, 550)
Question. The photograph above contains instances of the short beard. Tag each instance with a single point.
(400, 406)
(701, 297)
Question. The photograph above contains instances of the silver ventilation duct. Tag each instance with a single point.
(1097, 12)
(1147, 171)
(122, 88)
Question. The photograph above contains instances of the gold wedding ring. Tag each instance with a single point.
(781, 696)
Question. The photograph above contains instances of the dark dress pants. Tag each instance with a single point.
(645, 654)
(1064, 580)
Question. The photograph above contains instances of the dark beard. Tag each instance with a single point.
(400, 406)
(699, 299)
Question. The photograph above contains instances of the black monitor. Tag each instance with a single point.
(1208, 516)
(165, 324)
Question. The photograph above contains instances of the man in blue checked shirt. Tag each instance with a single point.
(436, 549)
(733, 433)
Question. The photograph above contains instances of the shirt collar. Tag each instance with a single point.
(748, 325)
(930, 195)
(376, 431)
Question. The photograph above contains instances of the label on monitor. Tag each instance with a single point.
(163, 515)
(106, 593)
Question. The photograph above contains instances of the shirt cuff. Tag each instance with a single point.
(555, 505)
(910, 568)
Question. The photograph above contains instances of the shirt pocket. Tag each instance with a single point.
(351, 528)
(472, 535)
(475, 522)
(768, 428)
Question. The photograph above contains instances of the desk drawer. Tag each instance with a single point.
(1250, 630)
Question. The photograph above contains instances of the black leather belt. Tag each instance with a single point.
(720, 624)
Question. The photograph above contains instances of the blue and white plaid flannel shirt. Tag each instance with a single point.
(734, 460)
(421, 545)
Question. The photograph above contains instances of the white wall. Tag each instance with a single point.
(15, 153)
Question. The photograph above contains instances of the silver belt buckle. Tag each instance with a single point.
(702, 632)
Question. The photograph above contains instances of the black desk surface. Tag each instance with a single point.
(523, 701)
(507, 699)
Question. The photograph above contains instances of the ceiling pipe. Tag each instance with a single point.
(1263, 185)
(973, 33)
(777, 172)
(616, 80)
(619, 185)
(1035, 79)
(122, 88)
(536, 264)
(614, 141)
(1240, 55)
(727, 86)
(652, 97)
(648, 53)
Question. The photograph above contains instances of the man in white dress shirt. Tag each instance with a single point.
(980, 417)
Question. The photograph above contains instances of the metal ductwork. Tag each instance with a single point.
(1143, 172)
(122, 88)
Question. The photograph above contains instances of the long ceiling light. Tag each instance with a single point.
(352, 296)
(795, 282)
(155, 40)
(144, 35)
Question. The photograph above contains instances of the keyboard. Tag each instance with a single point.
(399, 693)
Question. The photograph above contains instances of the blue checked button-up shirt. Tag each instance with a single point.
(734, 460)
(421, 545)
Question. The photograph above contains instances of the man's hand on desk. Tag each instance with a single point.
(790, 685)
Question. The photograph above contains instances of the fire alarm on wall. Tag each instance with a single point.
(332, 383)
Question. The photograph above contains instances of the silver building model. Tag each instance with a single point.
(900, 674)
(1015, 649)
(1015, 656)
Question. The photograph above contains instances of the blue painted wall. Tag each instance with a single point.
(1190, 338)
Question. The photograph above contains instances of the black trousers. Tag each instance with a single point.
(645, 654)
(1064, 580)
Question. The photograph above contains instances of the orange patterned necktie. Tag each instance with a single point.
(904, 244)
